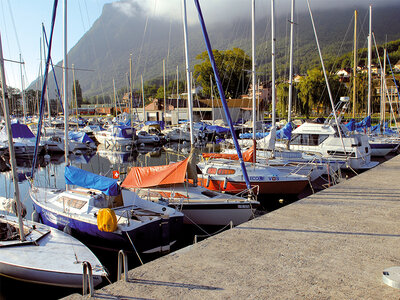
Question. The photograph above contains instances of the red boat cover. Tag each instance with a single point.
(248, 155)
(142, 177)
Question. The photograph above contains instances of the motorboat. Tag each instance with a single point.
(143, 137)
(324, 138)
(116, 137)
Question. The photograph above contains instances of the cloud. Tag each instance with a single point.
(220, 10)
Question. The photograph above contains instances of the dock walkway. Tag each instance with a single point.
(331, 245)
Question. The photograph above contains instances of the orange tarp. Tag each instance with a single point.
(141, 177)
(248, 155)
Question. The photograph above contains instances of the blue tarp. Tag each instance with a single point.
(82, 178)
(79, 136)
(161, 123)
(249, 135)
(351, 125)
(285, 132)
(123, 131)
(386, 129)
(18, 131)
(217, 129)
(366, 122)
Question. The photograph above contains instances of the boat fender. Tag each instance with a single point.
(225, 182)
(106, 220)
(35, 216)
(67, 229)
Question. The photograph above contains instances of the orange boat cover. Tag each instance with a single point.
(142, 177)
(248, 155)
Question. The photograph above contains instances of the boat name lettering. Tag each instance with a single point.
(257, 178)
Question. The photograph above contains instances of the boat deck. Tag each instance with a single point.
(331, 245)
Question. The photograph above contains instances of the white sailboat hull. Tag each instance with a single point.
(54, 259)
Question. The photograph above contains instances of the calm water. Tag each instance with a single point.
(51, 173)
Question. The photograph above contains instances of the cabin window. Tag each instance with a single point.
(313, 140)
(226, 171)
(211, 170)
(322, 137)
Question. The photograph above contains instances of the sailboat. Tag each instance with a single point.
(94, 208)
(175, 185)
(169, 184)
(34, 252)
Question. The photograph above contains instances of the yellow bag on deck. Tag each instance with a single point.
(107, 220)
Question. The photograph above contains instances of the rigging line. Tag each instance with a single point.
(141, 49)
(81, 15)
(95, 53)
(8, 43)
(13, 23)
(76, 69)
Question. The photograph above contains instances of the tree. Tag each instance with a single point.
(313, 92)
(232, 66)
(78, 94)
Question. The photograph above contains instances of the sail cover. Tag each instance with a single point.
(247, 155)
(142, 177)
(18, 131)
(82, 178)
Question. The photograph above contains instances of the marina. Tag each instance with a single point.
(229, 180)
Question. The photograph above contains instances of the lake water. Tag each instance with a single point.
(50, 172)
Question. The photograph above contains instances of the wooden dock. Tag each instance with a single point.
(331, 245)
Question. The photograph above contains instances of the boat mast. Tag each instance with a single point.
(355, 64)
(165, 95)
(273, 60)
(177, 92)
(212, 100)
(130, 89)
(13, 161)
(65, 90)
(144, 110)
(188, 77)
(22, 89)
(47, 88)
(369, 61)
(222, 95)
(253, 75)
(291, 64)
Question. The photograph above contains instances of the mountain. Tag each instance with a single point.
(107, 46)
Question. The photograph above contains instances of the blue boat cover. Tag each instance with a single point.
(123, 131)
(161, 123)
(249, 135)
(217, 129)
(79, 136)
(18, 131)
(285, 132)
(366, 122)
(351, 125)
(82, 178)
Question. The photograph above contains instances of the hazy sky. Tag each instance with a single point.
(21, 22)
